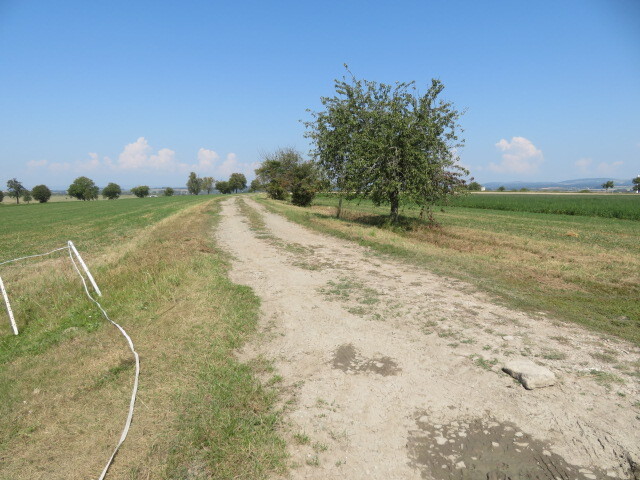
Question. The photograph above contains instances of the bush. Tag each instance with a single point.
(168, 192)
(41, 193)
(276, 191)
(26, 196)
(302, 195)
(1, 196)
(111, 191)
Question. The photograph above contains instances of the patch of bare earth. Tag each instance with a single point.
(392, 372)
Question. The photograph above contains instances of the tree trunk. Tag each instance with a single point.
(339, 208)
(394, 198)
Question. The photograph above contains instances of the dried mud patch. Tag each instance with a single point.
(487, 450)
(348, 359)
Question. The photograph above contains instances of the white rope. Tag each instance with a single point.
(134, 391)
(135, 355)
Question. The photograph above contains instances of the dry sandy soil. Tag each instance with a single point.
(391, 372)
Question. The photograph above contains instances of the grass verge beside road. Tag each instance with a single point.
(66, 379)
(580, 269)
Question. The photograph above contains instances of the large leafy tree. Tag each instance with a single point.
(223, 187)
(194, 184)
(208, 184)
(607, 185)
(636, 184)
(285, 171)
(15, 189)
(41, 193)
(83, 188)
(140, 191)
(388, 143)
(237, 181)
(112, 191)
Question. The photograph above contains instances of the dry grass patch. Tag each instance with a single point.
(65, 391)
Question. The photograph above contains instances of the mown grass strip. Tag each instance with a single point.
(580, 269)
(200, 413)
(622, 206)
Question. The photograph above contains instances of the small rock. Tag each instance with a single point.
(519, 434)
(423, 419)
(460, 465)
(521, 444)
(441, 440)
(495, 444)
(508, 338)
(546, 453)
(530, 374)
(462, 434)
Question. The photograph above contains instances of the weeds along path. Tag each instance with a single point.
(390, 372)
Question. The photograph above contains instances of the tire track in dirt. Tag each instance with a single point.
(385, 364)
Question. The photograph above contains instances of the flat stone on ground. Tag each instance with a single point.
(530, 374)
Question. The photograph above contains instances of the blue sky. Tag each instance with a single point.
(142, 92)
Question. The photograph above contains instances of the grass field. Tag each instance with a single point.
(623, 206)
(65, 381)
(576, 268)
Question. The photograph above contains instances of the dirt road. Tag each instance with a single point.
(391, 372)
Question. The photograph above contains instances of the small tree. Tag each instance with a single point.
(237, 181)
(635, 181)
(285, 171)
(223, 187)
(1, 196)
(41, 193)
(84, 189)
(207, 184)
(474, 187)
(607, 185)
(112, 191)
(168, 192)
(255, 186)
(501, 188)
(15, 189)
(26, 196)
(387, 143)
(141, 191)
(194, 184)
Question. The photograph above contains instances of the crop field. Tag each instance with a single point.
(623, 206)
(65, 381)
(583, 269)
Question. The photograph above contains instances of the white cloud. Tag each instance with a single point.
(520, 156)
(609, 168)
(33, 164)
(206, 158)
(584, 165)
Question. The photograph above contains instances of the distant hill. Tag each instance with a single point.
(577, 184)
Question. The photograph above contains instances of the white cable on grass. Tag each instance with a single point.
(9, 311)
(135, 354)
(32, 256)
(72, 249)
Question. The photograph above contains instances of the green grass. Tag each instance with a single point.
(576, 268)
(200, 413)
(623, 206)
(33, 228)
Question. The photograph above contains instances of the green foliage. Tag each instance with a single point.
(474, 187)
(284, 171)
(41, 193)
(387, 143)
(594, 205)
(141, 191)
(255, 186)
(112, 191)
(168, 192)
(207, 184)
(1, 196)
(635, 181)
(237, 181)
(223, 187)
(501, 188)
(83, 188)
(607, 185)
(15, 189)
(194, 184)
(26, 196)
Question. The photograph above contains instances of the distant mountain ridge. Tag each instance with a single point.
(577, 184)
